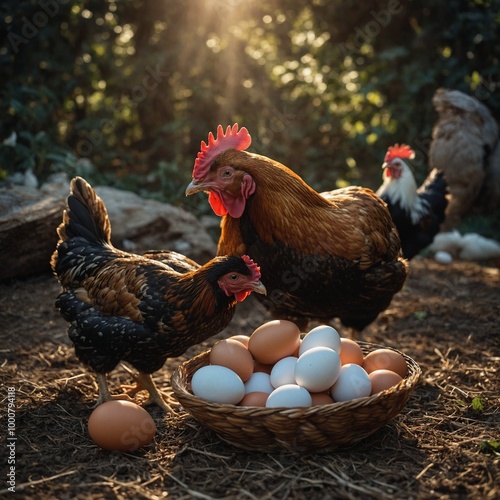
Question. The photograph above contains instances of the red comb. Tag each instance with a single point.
(231, 139)
(254, 268)
(397, 151)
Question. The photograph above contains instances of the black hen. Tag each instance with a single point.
(133, 308)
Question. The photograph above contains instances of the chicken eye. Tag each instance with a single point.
(234, 277)
(226, 173)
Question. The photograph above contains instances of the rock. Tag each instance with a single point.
(28, 222)
(29, 218)
(139, 224)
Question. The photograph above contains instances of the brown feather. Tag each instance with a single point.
(352, 223)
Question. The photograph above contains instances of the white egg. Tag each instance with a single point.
(317, 369)
(283, 372)
(321, 336)
(217, 384)
(289, 396)
(353, 383)
(443, 257)
(259, 382)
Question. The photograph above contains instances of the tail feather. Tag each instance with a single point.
(86, 216)
(84, 236)
(435, 190)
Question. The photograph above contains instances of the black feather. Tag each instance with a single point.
(417, 236)
(81, 222)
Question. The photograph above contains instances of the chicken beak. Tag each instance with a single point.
(195, 186)
(259, 288)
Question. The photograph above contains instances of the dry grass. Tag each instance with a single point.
(446, 318)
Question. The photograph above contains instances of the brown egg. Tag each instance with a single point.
(385, 359)
(233, 355)
(121, 426)
(274, 340)
(261, 367)
(241, 338)
(321, 398)
(254, 399)
(350, 352)
(383, 379)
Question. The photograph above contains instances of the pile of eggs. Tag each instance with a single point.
(275, 367)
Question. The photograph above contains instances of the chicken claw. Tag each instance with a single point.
(144, 382)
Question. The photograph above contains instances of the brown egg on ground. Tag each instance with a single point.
(121, 426)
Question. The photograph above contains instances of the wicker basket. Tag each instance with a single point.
(295, 429)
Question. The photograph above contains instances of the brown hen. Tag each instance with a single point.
(322, 256)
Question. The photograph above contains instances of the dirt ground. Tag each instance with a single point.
(442, 445)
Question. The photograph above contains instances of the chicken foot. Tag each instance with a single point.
(104, 394)
(145, 382)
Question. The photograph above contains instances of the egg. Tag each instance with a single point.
(283, 372)
(289, 396)
(234, 355)
(386, 359)
(321, 398)
(254, 399)
(321, 336)
(259, 382)
(121, 426)
(350, 352)
(383, 379)
(218, 384)
(443, 257)
(260, 367)
(241, 338)
(353, 382)
(274, 340)
(317, 369)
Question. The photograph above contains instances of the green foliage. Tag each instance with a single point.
(490, 447)
(124, 91)
(477, 404)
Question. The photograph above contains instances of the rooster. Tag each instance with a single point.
(464, 139)
(133, 308)
(417, 213)
(321, 257)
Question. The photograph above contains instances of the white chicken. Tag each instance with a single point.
(417, 212)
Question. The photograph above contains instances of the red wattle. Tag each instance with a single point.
(216, 203)
(241, 296)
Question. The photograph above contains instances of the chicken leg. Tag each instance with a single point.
(104, 394)
(145, 382)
